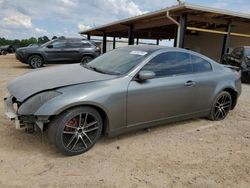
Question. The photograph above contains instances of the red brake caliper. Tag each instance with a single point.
(72, 123)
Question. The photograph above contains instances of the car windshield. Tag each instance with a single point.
(48, 43)
(118, 61)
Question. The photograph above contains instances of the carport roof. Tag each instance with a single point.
(156, 25)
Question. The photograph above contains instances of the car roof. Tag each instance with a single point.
(146, 48)
(64, 38)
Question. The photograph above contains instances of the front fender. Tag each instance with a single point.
(108, 96)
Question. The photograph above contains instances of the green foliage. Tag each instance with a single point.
(24, 42)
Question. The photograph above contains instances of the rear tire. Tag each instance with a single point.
(35, 61)
(221, 106)
(76, 130)
(86, 59)
(244, 77)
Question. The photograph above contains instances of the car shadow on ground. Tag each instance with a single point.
(39, 143)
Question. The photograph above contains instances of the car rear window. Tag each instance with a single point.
(200, 64)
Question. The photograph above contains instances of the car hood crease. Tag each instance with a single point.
(49, 78)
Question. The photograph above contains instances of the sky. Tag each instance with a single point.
(25, 18)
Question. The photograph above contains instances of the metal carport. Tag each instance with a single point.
(189, 25)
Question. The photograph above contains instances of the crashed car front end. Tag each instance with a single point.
(22, 113)
(29, 93)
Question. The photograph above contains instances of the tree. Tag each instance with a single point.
(42, 40)
(24, 42)
(54, 37)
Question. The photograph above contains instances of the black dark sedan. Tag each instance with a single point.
(62, 50)
(239, 57)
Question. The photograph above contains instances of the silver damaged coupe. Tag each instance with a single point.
(123, 90)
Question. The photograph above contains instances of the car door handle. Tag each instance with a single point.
(190, 83)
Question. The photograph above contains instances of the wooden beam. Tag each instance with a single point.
(216, 21)
(151, 24)
(206, 19)
(218, 32)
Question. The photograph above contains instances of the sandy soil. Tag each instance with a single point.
(194, 153)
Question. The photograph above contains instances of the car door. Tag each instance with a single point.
(55, 52)
(76, 49)
(73, 51)
(205, 82)
(170, 93)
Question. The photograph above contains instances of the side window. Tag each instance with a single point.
(169, 64)
(85, 44)
(74, 45)
(79, 44)
(200, 64)
(59, 44)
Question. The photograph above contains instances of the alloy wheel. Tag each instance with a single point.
(36, 62)
(222, 106)
(86, 59)
(80, 132)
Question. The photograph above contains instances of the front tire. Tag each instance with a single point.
(4, 52)
(75, 131)
(86, 59)
(221, 106)
(35, 61)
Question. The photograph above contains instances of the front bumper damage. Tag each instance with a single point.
(10, 112)
(22, 121)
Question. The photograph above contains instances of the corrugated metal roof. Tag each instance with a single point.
(172, 9)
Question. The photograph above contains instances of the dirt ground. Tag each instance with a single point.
(194, 153)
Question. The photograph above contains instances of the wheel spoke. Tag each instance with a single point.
(71, 140)
(77, 139)
(223, 112)
(85, 134)
(80, 120)
(84, 143)
(85, 120)
(90, 124)
(217, 114)
(226, 104)
(67, 132)
(224, 98)
(90, 130)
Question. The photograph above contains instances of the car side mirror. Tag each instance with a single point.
(50, 46)
(145, 75)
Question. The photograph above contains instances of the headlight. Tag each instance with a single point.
(30, 106)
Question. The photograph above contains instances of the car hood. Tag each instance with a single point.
(49, 78)
(28, 48)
